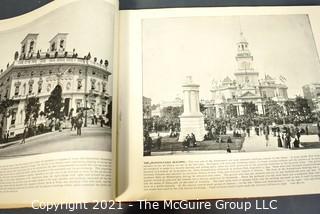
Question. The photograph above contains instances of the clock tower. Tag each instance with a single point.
(245, 74)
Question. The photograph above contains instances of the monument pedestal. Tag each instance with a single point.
(191, 121)
(192, 124)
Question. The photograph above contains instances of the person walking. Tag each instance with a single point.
(279, 141)
(24, 135)
(266, 134)
(79, 124)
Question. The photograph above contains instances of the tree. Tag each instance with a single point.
(249, 109)
(32, 111)
(5, 104)
(302, 107)
(273, 109)
(290, 107)
(54, 103)
(231, 111)
(171, 113)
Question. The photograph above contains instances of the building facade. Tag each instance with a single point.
(312, 93)
(146, 107)
(85, 82)
(246, 86)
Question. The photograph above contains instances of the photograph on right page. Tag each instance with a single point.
(229, 84)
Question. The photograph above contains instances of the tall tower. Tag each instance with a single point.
(58, 42)
(28, 45)
(245, 74)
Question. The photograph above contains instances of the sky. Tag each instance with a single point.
(205, 48)
(90, 29)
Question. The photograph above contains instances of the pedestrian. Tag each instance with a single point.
(23, 141)
(72, 123)
(193, 140)
(79, 125)
(248, 131)
(8, 136)
(186, 142)
(158, 142)
(307, 130)
(288, 140)
(279, 141)
(266, 134)
(296, 143)
(228, 149)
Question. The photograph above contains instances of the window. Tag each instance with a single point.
(93, 84)
(16, 90)
(93, 73)
(53, 46)
(39, 87)
(103, 109)
(93, 107)
(61, 43)
(30, 88)
(104, 87)
(23, 50)
(264, 94)
(79, 84)
(78, 104)
(31, 46)
(13, 116)
(24, 89)
(19, 74)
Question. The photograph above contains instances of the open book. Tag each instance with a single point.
(99, 104)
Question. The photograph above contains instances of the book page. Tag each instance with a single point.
(56, 98)
(219, 102)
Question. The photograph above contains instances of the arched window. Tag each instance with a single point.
(31, 46)
(53, 46)
(61, 43)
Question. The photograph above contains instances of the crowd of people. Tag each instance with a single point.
(287, 135)
(189, 141)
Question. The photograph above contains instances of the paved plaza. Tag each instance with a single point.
(92, 138)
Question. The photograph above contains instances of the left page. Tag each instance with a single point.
(56, 90)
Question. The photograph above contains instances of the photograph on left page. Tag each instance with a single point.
(56, 81)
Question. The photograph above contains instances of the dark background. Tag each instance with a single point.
(307, 204)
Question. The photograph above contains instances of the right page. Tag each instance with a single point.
(219, 102)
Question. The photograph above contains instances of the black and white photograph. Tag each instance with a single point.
(230, 84)
(56, 82)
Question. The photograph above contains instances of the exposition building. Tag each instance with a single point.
(85, 82)
(246, 86)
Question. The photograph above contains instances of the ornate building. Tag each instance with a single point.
(85, 82)
(312, 93)
(246, 86)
